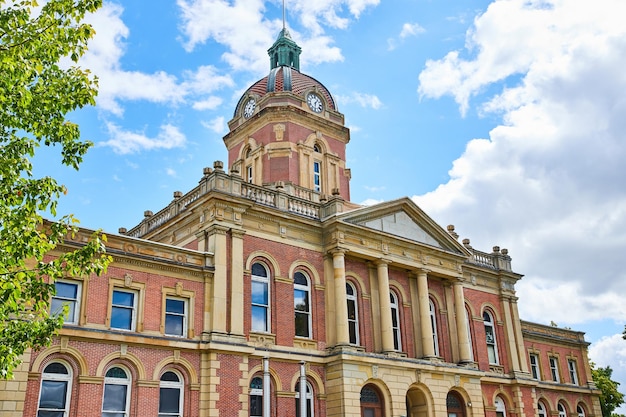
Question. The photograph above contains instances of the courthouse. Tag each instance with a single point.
(265, 291)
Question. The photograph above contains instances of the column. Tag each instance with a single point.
(386, 325)
(341, 303)
(303, 398)
(217, 245)
(521, 350)
(236, 290)
(511, 345)
(428, 345)
(461, 321)
(266, 387)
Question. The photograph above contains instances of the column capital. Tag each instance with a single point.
(338, 251)
(383, 261)
(238, 233)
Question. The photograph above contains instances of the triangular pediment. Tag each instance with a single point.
(403, 218)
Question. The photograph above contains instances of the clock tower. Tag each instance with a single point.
(286, 130)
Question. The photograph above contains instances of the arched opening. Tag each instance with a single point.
(455, 406)
(371, 402)
(416, 404)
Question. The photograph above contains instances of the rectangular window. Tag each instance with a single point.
(554, 369)
(175, 317)
(67, 294)
(249, 174)
(260, 306)
(123, 310)
(534, 366)
(317, 180)
(573, 374)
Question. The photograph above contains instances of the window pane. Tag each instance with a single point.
(53, 394)
(259, 318)
(259, 270)
(174, 325)
(352, 330)
(300, 279)
(122, 298)
(302, 325)
(114, 397)
(170, 376)
(121, 318)
(259, 292)
(51, 414)
(301, 300)
(175, 306)
(66, 290)
(256, 405)
(116, 373)
(169, 400)
(351, 310)
(56, 368)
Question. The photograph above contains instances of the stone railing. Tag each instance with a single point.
(498, 259)
(287, 197)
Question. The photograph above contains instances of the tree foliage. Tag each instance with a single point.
(610, 397)
(40, 83)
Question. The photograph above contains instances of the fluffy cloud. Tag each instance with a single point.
(362, 99)
(125, 142)
(549, 179)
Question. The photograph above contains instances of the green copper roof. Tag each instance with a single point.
(284, 52)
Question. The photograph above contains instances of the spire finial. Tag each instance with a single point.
(284, 26)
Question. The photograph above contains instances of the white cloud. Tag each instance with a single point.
(548, 181)
(125, 142)
(371, 202)
(217, 125)
(210, 103)
(171, 172)
(362, 99)
(411, 29)
(611, 351)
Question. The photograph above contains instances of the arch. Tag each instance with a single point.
(456, 403)
(309, 269)
(491, 337)
(469, 307)
(504, 395)
(494, 311)
(582, 409)
(258, 371)
(267, 258)
(543, 408)
(55, 388)
(358, 283)
(313, 139)
(375, 398)
(106, 362)
(75, 354)
(419, 400)
(399, 289)
(181, 362)
(563, 408)
(313, 377)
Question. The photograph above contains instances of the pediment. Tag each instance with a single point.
(403, 218)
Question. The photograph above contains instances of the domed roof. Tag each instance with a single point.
(285, 74)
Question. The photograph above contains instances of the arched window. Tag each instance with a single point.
(433, 325)
(309, 401)
(561, 408)
(580, 411)
(171, 395)
(541, 409)
(116, 398)
(395, 321)
(353, 314)
(500, 408)
(302, 304)
(455, 405)
(469, 333)
(256, 396)
(54, 394)
(260, 298)
(490, 335)
(371, 403)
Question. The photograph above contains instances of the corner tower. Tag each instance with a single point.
(287, 130)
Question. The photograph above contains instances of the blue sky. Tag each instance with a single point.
(504, 118)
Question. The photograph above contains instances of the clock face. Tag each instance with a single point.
(249, 108)
(315, 102)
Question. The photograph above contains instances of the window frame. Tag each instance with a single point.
(308, 313)
(490, 323)
(184, 316)
(127, 284)
(133, 309)
(180, 385)
(353, 322)
(64, 300)
(255, 392)
(580, 410)
(553, 361)
(561, 409)
(395, 321)
(542, 410)
(572, 367)
(57, 377)
(317, 175)
(126, 382)
(266, 281)
(535, 369)
(309, 400)
(500, 406)
(433, 324)
(470, 338)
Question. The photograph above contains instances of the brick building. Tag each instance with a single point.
(265, 285)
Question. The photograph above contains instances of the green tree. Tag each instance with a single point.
(610, 397)
(40, 84)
